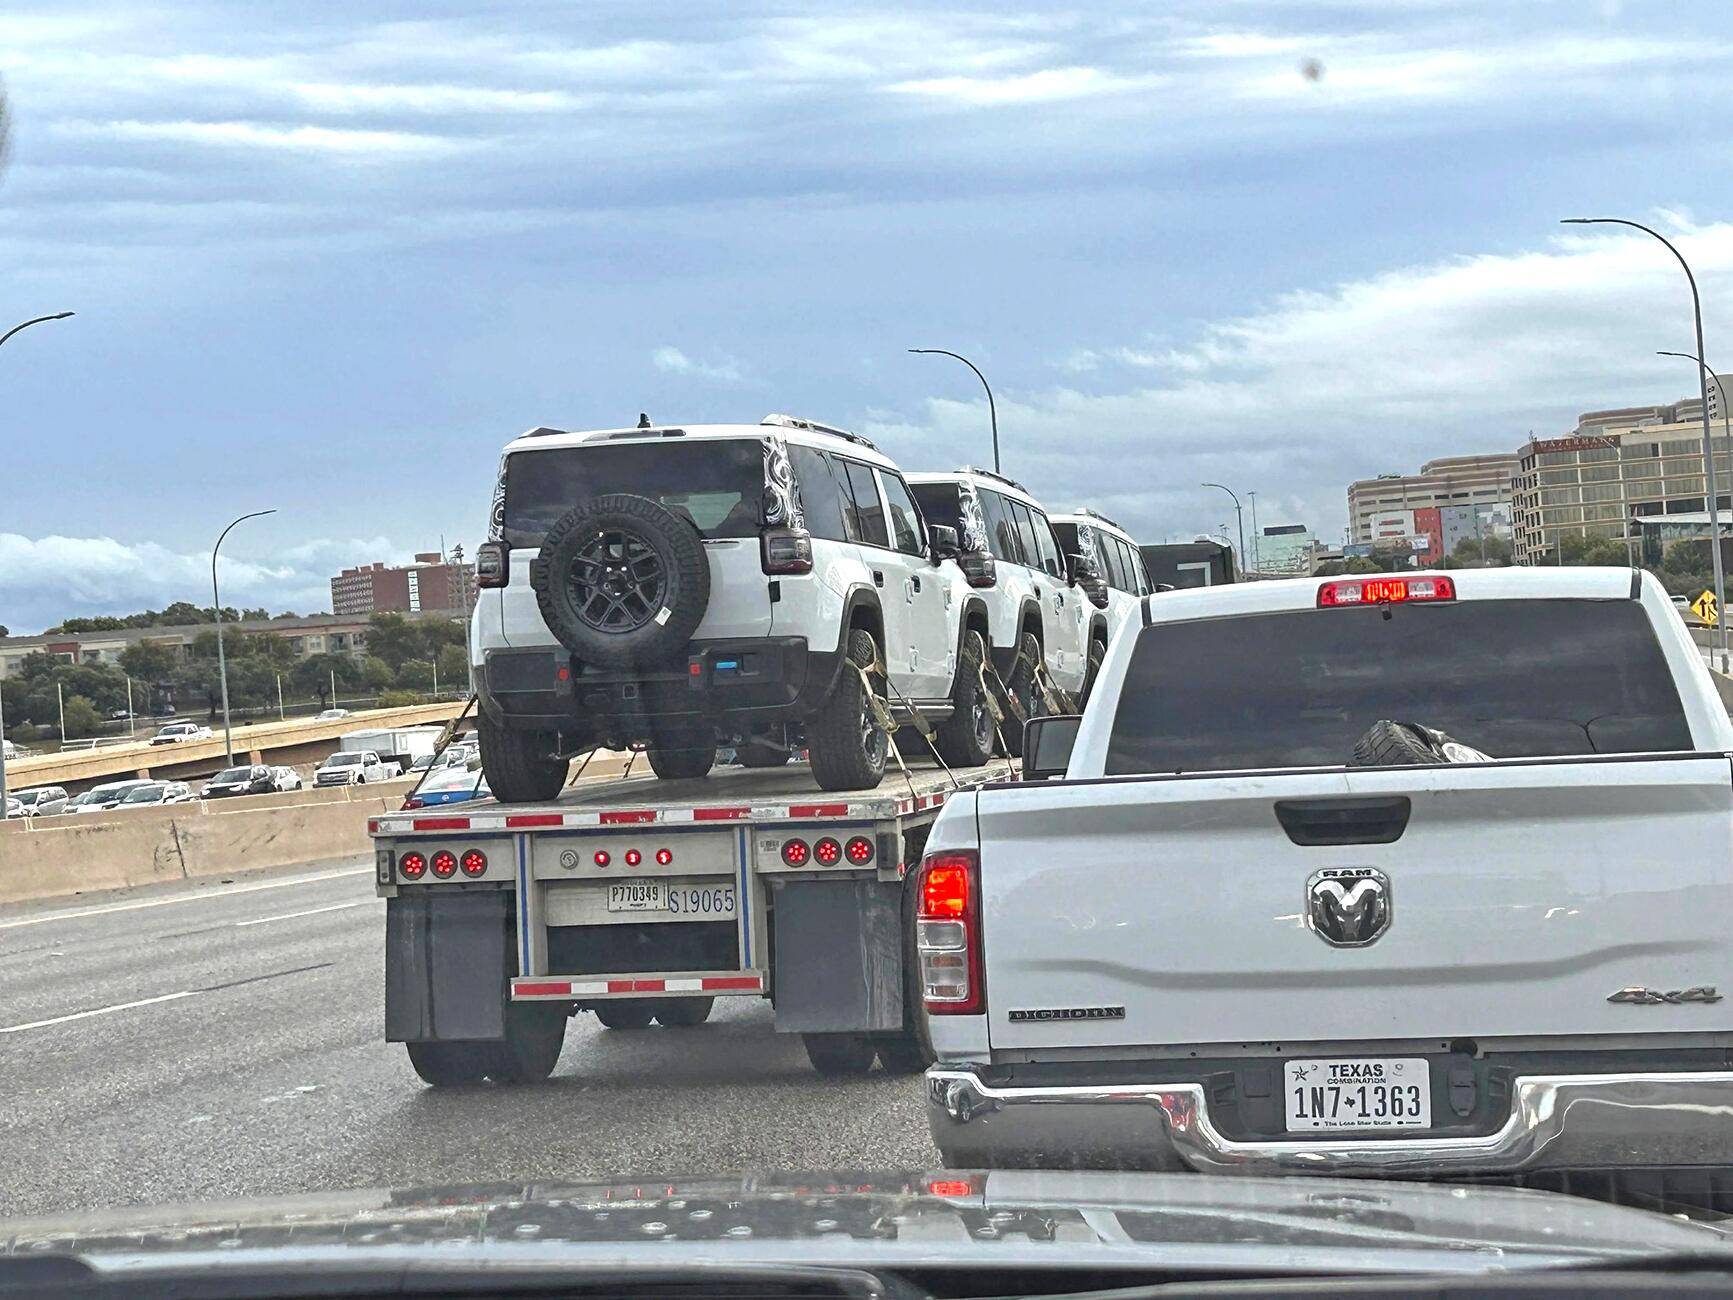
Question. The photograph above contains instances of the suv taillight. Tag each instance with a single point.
(978, 568)
(786, 551)
(948, 934)
(492, 564)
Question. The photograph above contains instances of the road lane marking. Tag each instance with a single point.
(102, 909)
(99, 1011)
(311, 911)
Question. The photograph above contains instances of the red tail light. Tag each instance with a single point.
(978, 568)
(602, 859)
(859, 850)
(786, 551)
(1384, 591)
(948, 934)
(474, 863)
(633, 857)
(445, 864)
(795, 852)
(412, 866)
(827, 851)
(664, 857)
(492, 565)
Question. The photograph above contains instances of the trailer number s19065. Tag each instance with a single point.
(713, 902)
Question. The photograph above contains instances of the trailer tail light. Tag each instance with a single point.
(492, 565)
(664, 857)
(601, 858)
(978, 568)
(633, 857)
(795, 852)
(859, 850)
(784, 550)
(474, 863)
(948, 934)
(412, 866)
(445, 864)
(827, 852)
(1385, 591)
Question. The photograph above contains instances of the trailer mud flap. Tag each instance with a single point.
(839, 956)
(439, 950)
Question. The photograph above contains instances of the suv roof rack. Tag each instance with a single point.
(988, 473)
(813, 426)
(1096, 514)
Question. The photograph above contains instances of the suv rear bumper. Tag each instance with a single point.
(1614, 1121)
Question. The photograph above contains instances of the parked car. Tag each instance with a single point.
(8, 749)
(677, 588)
(152, 793)
(331, 715)
(1114, 579)
(256, 779)
(1360, 875)
(285, 779)
(176, 733)
(450, 785)
(43, 801)
(13, 808)
(105, 798)
(1037, 611)
(353, 767)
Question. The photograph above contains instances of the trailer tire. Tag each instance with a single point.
(840, 1054)
(965, 739)
(450, 1065)
(682, 753)
(683, 1013)
(845, 743)
(534, 1034)
(903, 1053)
(517, 765)
(627, 1013)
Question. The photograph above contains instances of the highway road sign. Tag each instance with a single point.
(1704, 608)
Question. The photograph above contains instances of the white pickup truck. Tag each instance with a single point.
(355, 767)
(1224, 940)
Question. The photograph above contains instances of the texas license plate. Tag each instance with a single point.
(704, 902)
(1361, 1093)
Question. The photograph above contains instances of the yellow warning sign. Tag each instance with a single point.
(1704, 608)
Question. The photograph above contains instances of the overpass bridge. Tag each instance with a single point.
(290, 743)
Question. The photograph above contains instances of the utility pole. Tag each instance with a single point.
(1239, 518)
(992, 410)
(217, 609)
(280, 714)
(333, 688)
(1709, 472)
(1257, 550)
(60, 696)
(131, 730)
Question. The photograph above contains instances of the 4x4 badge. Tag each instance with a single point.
(1656, 997)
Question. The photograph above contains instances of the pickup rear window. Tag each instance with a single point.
(1513, 678)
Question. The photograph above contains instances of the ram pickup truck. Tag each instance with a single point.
(1255, 926)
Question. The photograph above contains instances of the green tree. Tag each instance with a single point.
(313, 675)
(82, 717)
(416, 675)
(393, 638)
(376, 674)
(149, 663)
(398, 699)
(438, 633)
(453, 664)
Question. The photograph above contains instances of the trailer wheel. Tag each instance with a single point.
(683, 1013)
(627, 1013)
(517, 765)
(534, 1034)
(450, 1065)
(903, 1053)
(840, 1054)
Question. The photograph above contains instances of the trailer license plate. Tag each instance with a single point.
(1358, 1094)
(714, 902)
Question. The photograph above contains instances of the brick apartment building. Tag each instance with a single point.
(432, 583)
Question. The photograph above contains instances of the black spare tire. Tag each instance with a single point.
(1394, 744)
(622, 582)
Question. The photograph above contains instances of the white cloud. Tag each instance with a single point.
(433, 99)
(255, 135)
(1045, 86)
(672, 361)
(46, 579)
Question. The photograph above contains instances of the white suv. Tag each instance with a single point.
(681, 587)
(1036, 608)
(1116, 585)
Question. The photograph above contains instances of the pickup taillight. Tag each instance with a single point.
(492, 564)
(948, 933)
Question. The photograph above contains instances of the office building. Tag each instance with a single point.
(1405, 511)
(431, 583)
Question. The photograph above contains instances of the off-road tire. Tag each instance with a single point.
(847, 750)
(657, 636)
(683, 1013)
(833, 1055)
(451, 1065)
(965, 739)
(517, 765)
(534, 1034)
(1392, 744)
(1021, 687)
(682, 754)
(626, 1013)
(1097, 655)
(754, 753)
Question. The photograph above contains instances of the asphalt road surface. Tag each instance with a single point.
(195, 1042)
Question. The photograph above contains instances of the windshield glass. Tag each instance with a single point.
(232, 774)
(145, 794)
(1512, 678)
(717, 484)
(343, 760)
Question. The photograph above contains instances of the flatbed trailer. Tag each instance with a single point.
(640, 899)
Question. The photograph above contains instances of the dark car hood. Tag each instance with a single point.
(1009, 1218)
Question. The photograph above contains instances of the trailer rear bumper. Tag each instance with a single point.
(554, 988)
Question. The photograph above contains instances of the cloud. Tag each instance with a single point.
(46, 579)
(1044, 86)
(672, 361)
(255, 135)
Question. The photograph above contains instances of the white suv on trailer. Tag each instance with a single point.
(1036, 607)
(1118, 581)
(681, 587)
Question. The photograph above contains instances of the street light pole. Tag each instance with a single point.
(1709, 470)
(992, 411)
(1703, 385)
(3, 337)
(1239, 520)
(217, 609)
(1257, 551)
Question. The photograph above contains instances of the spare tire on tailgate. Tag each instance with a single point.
(1396, 744)
(622, 582)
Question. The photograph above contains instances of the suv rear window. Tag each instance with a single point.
(1513, 678)
(718, 485)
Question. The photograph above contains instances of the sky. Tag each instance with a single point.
(326, 259)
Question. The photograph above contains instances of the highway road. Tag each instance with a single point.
(192, 1042)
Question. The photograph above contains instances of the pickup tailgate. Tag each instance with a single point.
(1521, 896)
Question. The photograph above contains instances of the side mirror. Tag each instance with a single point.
(943, 541)
(1047, 743)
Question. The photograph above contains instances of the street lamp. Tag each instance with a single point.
(1703, 384)
(992, 411)
(217, 604)
(3, 337)
(1708, 453)
(1239, 519)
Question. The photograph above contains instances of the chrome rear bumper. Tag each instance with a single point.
(1580, 1121)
